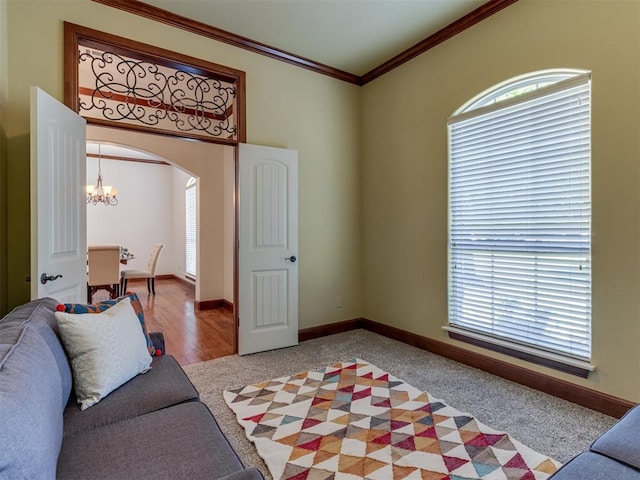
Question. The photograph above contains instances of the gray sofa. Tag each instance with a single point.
(615, 455)
(153, 427)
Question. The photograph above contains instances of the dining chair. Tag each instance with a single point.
(104, 270)
(149, 273)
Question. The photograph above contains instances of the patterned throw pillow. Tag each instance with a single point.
(102, 306)
(105, 350)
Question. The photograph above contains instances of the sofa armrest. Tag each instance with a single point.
(158, 341)
(591, 466)
(620, 441)
(246, 474)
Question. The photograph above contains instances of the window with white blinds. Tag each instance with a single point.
(190, 228)
(520, 215)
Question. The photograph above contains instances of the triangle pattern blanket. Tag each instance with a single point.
(352, 421)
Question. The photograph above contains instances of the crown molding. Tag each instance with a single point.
(160, 15)
(458, 26)
(163, 16)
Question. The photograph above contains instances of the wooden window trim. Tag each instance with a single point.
(528, 357)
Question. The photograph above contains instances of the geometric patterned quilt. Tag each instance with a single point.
(352, 421)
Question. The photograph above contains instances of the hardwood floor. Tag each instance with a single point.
(191, 335)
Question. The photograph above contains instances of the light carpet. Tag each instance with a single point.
(352, 420)
(547, 424)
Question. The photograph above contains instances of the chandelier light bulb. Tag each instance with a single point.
(98, 193)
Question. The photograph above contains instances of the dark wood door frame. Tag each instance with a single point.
(76, 34)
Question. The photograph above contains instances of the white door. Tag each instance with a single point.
(268, 248)
(58, 206)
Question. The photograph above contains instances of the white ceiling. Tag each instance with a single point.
(351, 35)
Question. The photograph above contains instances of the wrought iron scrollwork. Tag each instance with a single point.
(135, 91)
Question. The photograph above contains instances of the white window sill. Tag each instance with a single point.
(558, 362)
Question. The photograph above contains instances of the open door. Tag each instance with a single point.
(268, 248)
(58, 206)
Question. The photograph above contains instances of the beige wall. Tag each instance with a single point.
(286, 107)
(405, 168)
(4, 79)
(229, 221)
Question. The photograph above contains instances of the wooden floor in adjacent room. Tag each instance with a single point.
(190, 335)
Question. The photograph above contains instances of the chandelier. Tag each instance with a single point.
(99, 193)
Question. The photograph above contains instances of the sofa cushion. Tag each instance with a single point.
(30, 410)
(165, 384)
(105, 350)
(100, 307)
(591, 466)
(620, 442)
(179, 442)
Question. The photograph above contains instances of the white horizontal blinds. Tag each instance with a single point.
(520, 214)
(191, 226)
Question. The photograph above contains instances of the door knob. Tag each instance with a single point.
(44, 278)
(292, 259)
